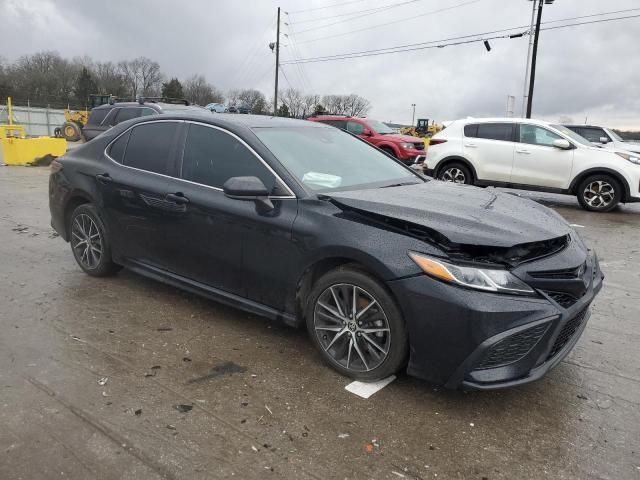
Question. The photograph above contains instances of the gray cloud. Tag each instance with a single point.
(582, 71)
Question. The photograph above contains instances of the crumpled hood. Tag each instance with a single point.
(461, 213)
(398, 137)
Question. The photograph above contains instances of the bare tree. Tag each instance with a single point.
(309, 103)
(199, 91)
(293, 99)
(355, 105)
(109, 79)
(233, 97)
(253, 99)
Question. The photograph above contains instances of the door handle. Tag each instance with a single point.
(104, 178)
(178, 198)
(470, 145)
(524, 152)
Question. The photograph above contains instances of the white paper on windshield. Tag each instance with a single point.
(322, 180)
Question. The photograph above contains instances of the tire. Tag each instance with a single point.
(456, 172)
(94, 258)
(71, 131)
(389, 151)
(599, 193)
(381, 324)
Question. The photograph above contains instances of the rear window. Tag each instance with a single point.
(471, 130)
(127, 114)
(150, 146)
(496, 131)
(96, 116)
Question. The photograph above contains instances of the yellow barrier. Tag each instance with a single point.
(24, 151)
(16, 149)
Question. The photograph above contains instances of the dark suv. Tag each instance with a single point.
(470, 287)
(104, 117)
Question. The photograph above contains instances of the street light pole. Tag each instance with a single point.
(413, 115)
(275, 95)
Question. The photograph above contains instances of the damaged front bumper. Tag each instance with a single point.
(467, 339)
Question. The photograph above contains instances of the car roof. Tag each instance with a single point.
(582, 126)
(504, 120)
(160, 106)
(236, 120)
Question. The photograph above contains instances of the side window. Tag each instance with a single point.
(496, 131)
(471, 130)
(535, 135)
(355, 128)
(118, 147)
(147, 111)
(96, 116)
(335, 123)
(150, 147)
(127, 114)
(211, 157)
(110, 119)
(593, 134)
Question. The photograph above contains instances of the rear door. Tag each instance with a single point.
(489, 147)
(538, 162)
(134, 191)
(226, 243)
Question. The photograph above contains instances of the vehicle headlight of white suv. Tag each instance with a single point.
(632, 157)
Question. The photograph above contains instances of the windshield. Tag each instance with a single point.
(378, 126)
(615, 136)
(327, 159)
(573, 135)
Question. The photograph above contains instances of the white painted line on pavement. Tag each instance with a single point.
(366, 389)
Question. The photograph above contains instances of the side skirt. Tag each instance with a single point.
(521, 186)
(215, 294)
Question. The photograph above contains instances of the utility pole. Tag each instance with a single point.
(275, 95)
(413, 115)
(532, 80)
(525, 89)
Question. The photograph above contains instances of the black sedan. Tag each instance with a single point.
(307, 224)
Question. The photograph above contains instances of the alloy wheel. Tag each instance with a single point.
(86, 241)
(352, 327)
(454, 175)
(599, 194)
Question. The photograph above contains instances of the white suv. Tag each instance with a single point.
(604, 137)
(533, 155)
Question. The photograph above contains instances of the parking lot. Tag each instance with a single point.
(125, 377)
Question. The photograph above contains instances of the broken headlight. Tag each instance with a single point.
(487, 279)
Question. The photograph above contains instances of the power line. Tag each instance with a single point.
(357, 12)
(361, 14)
(341, 4)
(442, 44)
(432, 12)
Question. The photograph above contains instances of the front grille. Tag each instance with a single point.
(567, 332)
(419, 146)
(565, 274)
(512, 348)
(565, 300)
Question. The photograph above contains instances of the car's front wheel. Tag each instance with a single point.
(455, 173)
(599, 193)
(90, 243)
(356, 325)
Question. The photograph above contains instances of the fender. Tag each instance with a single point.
(595, 170)
(391, 146)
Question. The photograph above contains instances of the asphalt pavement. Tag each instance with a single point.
(126, 378)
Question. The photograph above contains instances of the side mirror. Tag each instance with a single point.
(562, 144)
(248, 188)
(604, 140)
(368, 133)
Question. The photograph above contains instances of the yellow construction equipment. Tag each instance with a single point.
(422, 129)
(17, 149)
(75, 120)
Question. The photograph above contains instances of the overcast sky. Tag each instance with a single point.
(587, 71)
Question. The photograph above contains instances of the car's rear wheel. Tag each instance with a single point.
(455, 173)
(356, 325)
(90, 243)
(599, 193)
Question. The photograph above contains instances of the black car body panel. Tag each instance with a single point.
(265, 261)
(461, 214)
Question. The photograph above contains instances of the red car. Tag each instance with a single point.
(407, 149)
